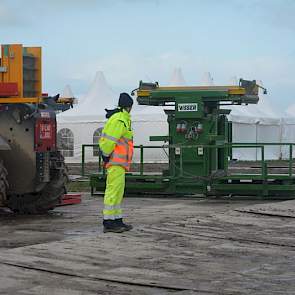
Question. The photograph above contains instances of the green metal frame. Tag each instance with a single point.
(263, 184)
(199, 146)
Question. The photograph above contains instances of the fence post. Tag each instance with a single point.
(181, 162)
(290, 159)
(83, 160)
(263, 167)
(141, 159)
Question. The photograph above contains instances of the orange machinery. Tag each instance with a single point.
(20, 74)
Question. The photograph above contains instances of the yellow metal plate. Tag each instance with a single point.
(233, 90)
(144, 92)
(238, 91)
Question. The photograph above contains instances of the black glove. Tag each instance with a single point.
(105, 159)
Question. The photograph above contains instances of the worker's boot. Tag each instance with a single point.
(112, 226)
(124, 225)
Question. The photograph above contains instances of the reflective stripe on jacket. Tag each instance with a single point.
(116, 140)
(122, 154)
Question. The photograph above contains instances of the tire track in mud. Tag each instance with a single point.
(194, 235)
(153, 285)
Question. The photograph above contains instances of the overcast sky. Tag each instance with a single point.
(132, 40)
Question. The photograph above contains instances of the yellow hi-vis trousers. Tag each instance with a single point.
(114, 192)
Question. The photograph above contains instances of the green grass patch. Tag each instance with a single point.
(78, 186)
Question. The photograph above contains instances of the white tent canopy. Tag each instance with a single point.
(234, 81)
(98, 97)
(290, 111)
(256, 123)
(177, 78)
(67, 92)
(207, 79)
(83, 124)
(256, 112)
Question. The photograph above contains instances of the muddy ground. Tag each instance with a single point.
(178, 246)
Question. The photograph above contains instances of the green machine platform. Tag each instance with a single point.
(199, 146)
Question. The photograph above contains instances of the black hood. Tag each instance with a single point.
(112, 112)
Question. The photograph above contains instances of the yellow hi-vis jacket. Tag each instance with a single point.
(116, 140)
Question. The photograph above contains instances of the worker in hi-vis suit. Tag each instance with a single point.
(116, 146)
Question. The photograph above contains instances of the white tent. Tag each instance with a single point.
(256, 123)
(67, 92)
(234, 81)
(290, 111)
(207, 79)
(252, 123)
(83, 124)
(98, 97)
(177, 78)
(288, 132)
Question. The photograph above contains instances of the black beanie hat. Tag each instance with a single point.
(125, 100)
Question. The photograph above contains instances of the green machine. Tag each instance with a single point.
(199, 146)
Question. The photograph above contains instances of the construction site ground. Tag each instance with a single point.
(178, 246)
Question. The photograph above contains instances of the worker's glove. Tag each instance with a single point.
(105, 159)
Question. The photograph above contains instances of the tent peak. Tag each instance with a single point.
(177, 78)
(67, 92)
(207, 79)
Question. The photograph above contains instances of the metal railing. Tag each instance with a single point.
(100, 165)
(261, 146)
